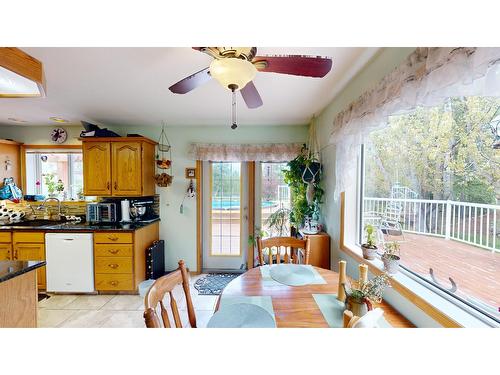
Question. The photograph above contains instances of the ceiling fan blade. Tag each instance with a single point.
(251, 95)
(193, 81)
(308, 66)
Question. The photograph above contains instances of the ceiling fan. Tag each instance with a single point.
(235, 68)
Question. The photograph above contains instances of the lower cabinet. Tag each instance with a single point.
(30, 246)
(120, 258)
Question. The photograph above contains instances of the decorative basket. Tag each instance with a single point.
(163, 160)
(163, 179)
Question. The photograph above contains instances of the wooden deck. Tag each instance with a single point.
(476, 271)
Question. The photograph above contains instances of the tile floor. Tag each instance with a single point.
(115, 311)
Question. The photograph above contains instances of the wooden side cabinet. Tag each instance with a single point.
(320, 249)
(30, 246)
(118, 166)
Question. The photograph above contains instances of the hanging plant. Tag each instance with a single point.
(301, 173)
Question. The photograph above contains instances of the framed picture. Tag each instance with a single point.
(190, 172)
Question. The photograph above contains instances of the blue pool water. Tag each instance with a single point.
(234, 204)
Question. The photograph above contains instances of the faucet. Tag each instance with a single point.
(43, 205)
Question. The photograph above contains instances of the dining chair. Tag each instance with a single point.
(283, 242)
(157, 293)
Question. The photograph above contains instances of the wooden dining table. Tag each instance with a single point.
(294, 306)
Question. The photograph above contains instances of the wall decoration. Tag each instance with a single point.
(163, 160)
(191, 173)
(58, 135)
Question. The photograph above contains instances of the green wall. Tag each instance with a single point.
(178, 230)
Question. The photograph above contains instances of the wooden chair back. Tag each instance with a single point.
(157, 293)
(283, 242)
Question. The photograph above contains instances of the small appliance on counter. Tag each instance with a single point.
(102, 212)
(113, 210)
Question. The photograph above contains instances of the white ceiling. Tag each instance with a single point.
(129, 86)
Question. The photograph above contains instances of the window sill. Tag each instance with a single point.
(446, 313)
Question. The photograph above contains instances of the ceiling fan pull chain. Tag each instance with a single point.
(233, 111)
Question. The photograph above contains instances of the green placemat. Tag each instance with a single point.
(333, 311)
(263, 301)
(267, 279)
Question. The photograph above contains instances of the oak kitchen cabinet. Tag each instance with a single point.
(119, 255)
(118, 166)
(24, 246)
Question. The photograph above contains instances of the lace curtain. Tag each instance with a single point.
(427, 77)
(277, 152)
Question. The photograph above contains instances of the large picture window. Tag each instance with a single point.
(431, 182)
(54, 172)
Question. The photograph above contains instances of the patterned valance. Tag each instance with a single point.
(427, 77)
(277, 152)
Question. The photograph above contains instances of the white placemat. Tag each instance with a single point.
(285, 269)
(244, 312)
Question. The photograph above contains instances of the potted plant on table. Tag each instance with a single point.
(369, 247)
(361, 295)
(391, 257)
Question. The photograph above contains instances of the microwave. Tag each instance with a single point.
(101, 212)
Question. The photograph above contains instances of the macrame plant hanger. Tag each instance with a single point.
(313, 154)
(162, 178)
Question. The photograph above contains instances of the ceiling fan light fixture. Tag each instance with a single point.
(232, 71)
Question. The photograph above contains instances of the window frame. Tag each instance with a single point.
(211, 252)
(458, 301)
(24, 149)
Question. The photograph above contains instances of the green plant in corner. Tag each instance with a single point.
(278, 222)
(293, 178)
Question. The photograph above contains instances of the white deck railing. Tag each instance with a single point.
(473, 223)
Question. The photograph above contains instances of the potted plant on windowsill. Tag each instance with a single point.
(369, 248)
(361, 295)
(391, 257)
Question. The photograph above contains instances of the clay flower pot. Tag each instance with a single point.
(391, 263)
(357, 307)
(369, 252)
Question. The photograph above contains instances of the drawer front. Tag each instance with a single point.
(29, 251)
(5, 251)
(5, 237)
(114, 282)
(113, 265)
(112, 237)
(38, 237)
(108, 250)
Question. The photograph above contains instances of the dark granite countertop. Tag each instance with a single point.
(12, 268)
(80, 227)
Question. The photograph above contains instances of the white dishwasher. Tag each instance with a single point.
(70, 262)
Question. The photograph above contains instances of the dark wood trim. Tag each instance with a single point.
(42, 147)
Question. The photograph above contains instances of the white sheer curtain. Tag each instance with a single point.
(276, 152)
(427, 77)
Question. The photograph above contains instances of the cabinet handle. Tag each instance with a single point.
(113, 238)
(116, 185)
(14, 256)
(8, 254)
(113, 266)
(107, 185)
(114, 283)
(113, 251)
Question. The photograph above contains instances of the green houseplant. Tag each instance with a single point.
(294, 179)
(391, 257)
(361, 295)
(369, 248)
(50, 183)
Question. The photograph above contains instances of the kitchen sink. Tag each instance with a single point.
(36, 223)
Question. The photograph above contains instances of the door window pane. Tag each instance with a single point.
(225, 212)
(275, 199)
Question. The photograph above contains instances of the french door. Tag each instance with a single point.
(225, 216)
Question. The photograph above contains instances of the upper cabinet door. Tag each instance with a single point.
(126, 168)
(97, 168)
